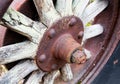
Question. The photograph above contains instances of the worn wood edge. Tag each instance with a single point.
(79, 6)
(18, 72)
(49, 78)
(66, 73)
(64, 7)
(92, 31)
(35, 77)
(92, 10)
(17, 51)
(46, 11)
(23, 25)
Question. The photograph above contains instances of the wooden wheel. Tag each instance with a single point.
(24, 52)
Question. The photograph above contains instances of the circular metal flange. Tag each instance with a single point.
(66, 32)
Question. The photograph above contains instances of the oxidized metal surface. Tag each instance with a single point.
(59, 44)
(4, 4)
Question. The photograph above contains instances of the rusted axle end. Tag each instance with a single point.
(61, 44)
(4, 4)
(69, 50)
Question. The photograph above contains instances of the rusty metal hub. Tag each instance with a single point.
(61, 44)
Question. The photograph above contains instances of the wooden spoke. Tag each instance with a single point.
(79, 6)
(18, 72)
(17, 51)
(92, 31)
(88, 54)
(64, 7)
(23, 25)
(66, 73)
(93, 10)
(49, 79)
(46, 11)
(36, 77)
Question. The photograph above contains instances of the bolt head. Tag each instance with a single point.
(42, 58)
(80, 34)
(52, 33)
(72, 22)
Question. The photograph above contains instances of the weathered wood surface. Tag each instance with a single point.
(79, 6)
(17, 51)
(18, 72)
(46, 11)
(49, 79)
(64, 7)
(92, 31)
(23, 25)
(93, 9)
(3, 70)
(66, 73)
(36, 77)
(88, 53)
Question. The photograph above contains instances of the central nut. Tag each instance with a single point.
(61, 44)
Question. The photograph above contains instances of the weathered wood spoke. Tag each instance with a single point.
(66, 73)
(93, 10)
(64, 7)
(79, 6)
(23, 25)
(46, 11)
(36, 77)
(18, 72)
(17, 51)
(49, 79)
(88, 53)
(92, 31)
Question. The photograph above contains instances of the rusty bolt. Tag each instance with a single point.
(80, 34)
(72, 22)
(51, 33)
(42, 58)
(78, 57)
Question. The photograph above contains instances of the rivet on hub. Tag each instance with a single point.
(72, 22)
(51, 33)
(80, 34)
(42, 58)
